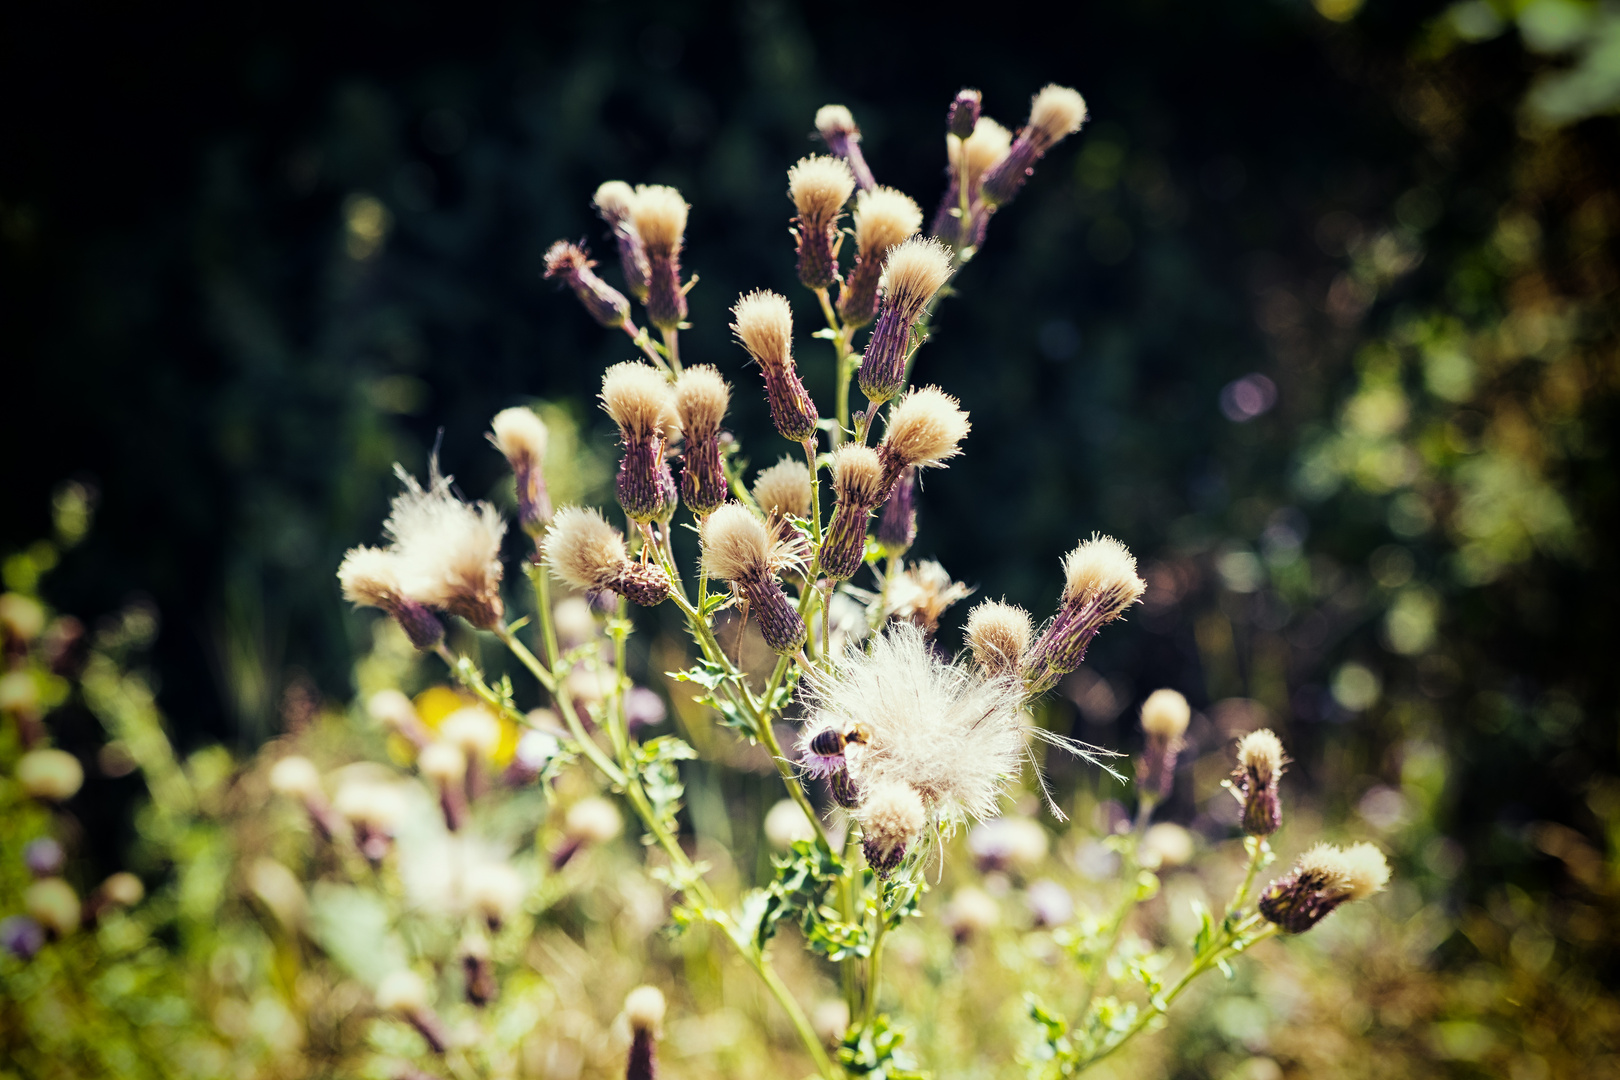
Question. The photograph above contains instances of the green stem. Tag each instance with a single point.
(874, 972)
(1132, 866)
(841, 354)
(645, 344)
(673, 349)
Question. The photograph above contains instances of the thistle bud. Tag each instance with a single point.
(925, 429)
(1100, 584)
(819, 187)
(53, 904)
(641, 403)
(404, 994)
(971, 913)
(644, 1008)
(924, 592)
(701, 398)
(1255, 782)
(914, 271)
(659, 216)
(495, 891)
(586, 552)
(445, 764)
(784, 489)
(521, 437)
(786, 824)
(897, 525)
(836, 126)
(998, 634)
(843, 789)
(1054, 114)
(50, 775)
(446, 555)
(858, 487)
(964, 113)
(371, 577)
(477, 970)
(763, 323)
(892, 818)
(571, 264)
(1165, 715)
(614, 203)
(394, 711)
(374, 812)
(884, 219)
(737, 548)
(297, 778)
(592, 820)
(1324, 878)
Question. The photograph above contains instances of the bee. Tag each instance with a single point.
(830, 742)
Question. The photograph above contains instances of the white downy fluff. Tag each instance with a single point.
(450, 550)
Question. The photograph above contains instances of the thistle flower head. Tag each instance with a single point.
(914, 271)
(1165, 714)
(763, 322)
(614, 201)
(701, 398)
(1324, 878)
(392, 709)
(925, 428)
(371, 803)
(924, 592)
(892, 817)
(572, 265)
(857, 475)
(1366, 871)
(402, 991)
(1260, 765)
(998, 634)
(296, 777)
(784, 488)
(820, 185)
(644, 1008)
(736, 544)
(374, 577)
(1260, 755)
(639, 399)
(987, 145)
(593, 820)
(442, 762)
(584, 550)
(884, 218)
(520, 436)
(494, 890)
(659, 215)
(449, 550)
(1057, 112)
(1102, 571)
(835, 121)
(567, 260)
(474, 730)
(972, 912)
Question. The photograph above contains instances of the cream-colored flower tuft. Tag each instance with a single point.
(639, 399)
(296, 777)
(449, 550)
(614, 200)
(884, 218)
(784, 488)
(736, 544)
(987, 145)
(820, 185)
(858, 475)
(659, 215)
(1103, 571)
(925, 428)
(520, 435)
(998, 634)
(402, 991)
(763, 322)
(1260, 753)
(835, 120)
(584, 550)
(1057, 111)
(644, 1008)
(914, 271)
(892, 818)
(924, 592)
(1165, 714)
(1365, 870)
(701, 398)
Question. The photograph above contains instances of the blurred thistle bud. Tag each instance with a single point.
(575, 621)
(784, 489)
(819, 187)
(786, 824)
(371, 577)
(521, 437)
(737, 548)
(445, 765)
(858, 488)
(50, 775)
(476, 732)
(123, 890)
(644, 1008)
(925, 428)
(615, 204)
(998, 634)
(836, 125)
(571, 264)
(478, 970)
(22, 618)
(659, 216)
(1100, 583)
(1007, 843)
(1255, 781)
(971, 913)
(296, 777)
(53, 904)
(641, 402)
(1165, 715)
(44, 857)
(701, 399)
(1050, 904)
(586, 552)
(843, 789)
(21, 936)
(394, 711)
(404, 994)
(1054, 114)
(495, 891)
(968, 158)
(592, 820)
(964, 113)
(892, 818)
(884, 219)
(374, 811)
(763, 323)
(924, 592)
(1324, 878)
(535, 749)
(830, 1019)
(281, 893)
(913, 272)
(643, 709)
(897, 525)
(1166, 845)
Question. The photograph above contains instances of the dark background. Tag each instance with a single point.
(188, 330)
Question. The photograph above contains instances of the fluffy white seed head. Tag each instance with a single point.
(884, 217)
(1366, 871)
(926, 427)
(701, 398)
(820, 185)
(583, 549)
(495, 890)
(644, 1008)
(402, 992)
(392, 709)
(892, 815)
(784, 488)
(1165, 714)
(1057, 111)
(473, 729)
(987, 145)
(442, 762)
(593, 820)
(998, 633)
(834, 120)
(924, 592)
(614, 200)
(449, 551)
(520, 435)
(659, 215)
(1260, 753)
(763, 322)
(736, 544)
(295, 777)
(858, 474)
(371, 577)
(914, 271)
(638, 398)
(1102, 570)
